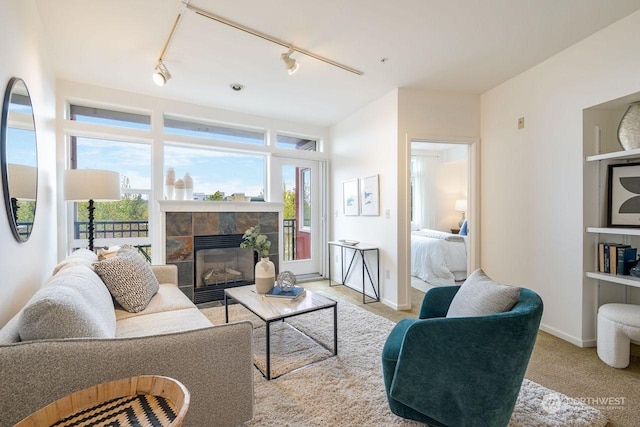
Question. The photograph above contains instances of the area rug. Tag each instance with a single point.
(316, 389)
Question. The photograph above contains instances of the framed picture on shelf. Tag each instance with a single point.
(624, 195)
(369, 196)
(350, 197)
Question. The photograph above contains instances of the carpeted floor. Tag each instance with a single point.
(555, 363)
(347, 390)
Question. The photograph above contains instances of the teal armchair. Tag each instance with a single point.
(465, 371)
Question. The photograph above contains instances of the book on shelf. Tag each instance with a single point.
(613, 257)
(626, 258)
(277, 293)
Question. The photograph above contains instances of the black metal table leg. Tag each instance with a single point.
(226, 308)
(268, 353)
(335, 329)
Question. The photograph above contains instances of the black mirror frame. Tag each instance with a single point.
(3, 156)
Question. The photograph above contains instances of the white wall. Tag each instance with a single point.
(23, 54)
(532, 178)
(377, 139)
(451, 183)
(362, 145)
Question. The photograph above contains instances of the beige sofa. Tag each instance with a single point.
(169, 337)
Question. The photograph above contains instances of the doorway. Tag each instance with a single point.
(297, 184)
(441, 194)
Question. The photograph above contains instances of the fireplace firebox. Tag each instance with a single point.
(220, 263)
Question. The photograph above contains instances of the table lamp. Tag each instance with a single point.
(23, 184)
(81, 185)
(461, 206)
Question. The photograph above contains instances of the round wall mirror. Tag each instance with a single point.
(19, 159)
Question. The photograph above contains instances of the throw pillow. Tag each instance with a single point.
(72, 304)
(129, 279)
(481, 296)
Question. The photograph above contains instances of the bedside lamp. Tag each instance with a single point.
(81, 185)
(461, 206)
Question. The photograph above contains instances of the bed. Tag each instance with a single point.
(438, 258)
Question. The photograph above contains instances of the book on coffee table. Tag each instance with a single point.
(277, 293)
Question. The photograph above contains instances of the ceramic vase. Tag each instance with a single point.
(265, 275)
(629, 128)
(178, 191)
(169, 182)
(188, 187)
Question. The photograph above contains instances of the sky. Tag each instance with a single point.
(210, 170)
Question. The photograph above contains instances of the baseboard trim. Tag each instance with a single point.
(396, 306)
(569, 338)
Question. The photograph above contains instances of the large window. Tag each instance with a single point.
(123, 221)
(104, 116)
(214, 131)
(218, 174)
(296, 143)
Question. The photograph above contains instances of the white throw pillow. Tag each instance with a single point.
(481, 296)
(129, 279)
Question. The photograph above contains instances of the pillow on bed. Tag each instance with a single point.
(464, 229)
(481, 296)
(435, 234)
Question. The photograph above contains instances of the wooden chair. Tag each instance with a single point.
(152, 400)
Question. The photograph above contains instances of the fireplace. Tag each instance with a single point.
(215, 229)
(220, 263)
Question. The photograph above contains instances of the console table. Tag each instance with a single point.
(361, 249)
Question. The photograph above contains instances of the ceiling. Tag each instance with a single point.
(465, 46)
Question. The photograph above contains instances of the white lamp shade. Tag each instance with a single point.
(460, 206)
(91, 184)
(23, 181)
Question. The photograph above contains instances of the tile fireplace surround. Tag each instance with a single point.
(183, 220)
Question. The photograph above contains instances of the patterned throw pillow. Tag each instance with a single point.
(129, 279)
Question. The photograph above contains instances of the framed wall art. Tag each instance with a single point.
(624, 195)
(369, 196)
(350, 197)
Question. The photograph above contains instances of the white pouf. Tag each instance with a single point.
(618, 324)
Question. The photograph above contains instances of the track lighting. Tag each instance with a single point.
(161, 75)
(290, 64)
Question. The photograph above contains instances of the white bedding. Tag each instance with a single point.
(438, 261)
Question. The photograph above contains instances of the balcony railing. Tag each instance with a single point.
(111, 229)
(140, 228)
(289, 244)
(115, 230)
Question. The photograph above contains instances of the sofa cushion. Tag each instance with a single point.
(481, 296)
(162, 323)
(129, 279)
(168, 298)
(72, 304)
(79, 256)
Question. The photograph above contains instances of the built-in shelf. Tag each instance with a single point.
(627, 154)
(613, 278)
(620, 231)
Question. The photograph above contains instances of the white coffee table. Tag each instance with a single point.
(271, 311)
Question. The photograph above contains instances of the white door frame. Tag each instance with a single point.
(473, 198)
(318, 217)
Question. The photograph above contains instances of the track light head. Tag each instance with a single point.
(161, 75)
(289, 63)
